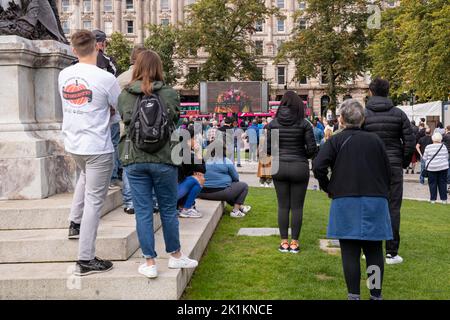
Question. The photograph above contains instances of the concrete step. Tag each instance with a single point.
(55, 280)
(50, 213)
(116, 240)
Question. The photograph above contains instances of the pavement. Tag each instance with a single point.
(412, 189)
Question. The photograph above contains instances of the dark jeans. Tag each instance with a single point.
(234, 194)
(144, 177)
(351, 255)
(291, 182)
(115, 137)
(438, 180)
(395, 204)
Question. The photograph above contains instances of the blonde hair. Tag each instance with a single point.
(328, 133)
(148, 69)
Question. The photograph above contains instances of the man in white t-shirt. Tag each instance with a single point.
(89, 100)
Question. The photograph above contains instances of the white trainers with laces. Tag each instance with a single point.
(237, 214)
(182, 263)
(190, 213)
(393, 260)
(148, 271)
(245, 209)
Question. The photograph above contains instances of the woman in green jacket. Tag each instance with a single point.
(147, 171)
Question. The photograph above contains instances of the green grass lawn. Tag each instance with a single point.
(252, 268)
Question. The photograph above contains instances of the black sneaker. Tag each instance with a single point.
(74, 230)
(128, 210)
(284, 247)
(96, 265)
(155, 209)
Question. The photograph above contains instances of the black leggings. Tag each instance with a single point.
(291, 183)
(351, 255)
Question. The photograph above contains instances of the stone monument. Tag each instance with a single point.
(33, 164)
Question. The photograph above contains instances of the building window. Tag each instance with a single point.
(279, 44)
(87, 25)
(260, 74)
(391, 3)
(129, 5)
(165, 22)
(108, 5)
(303, 80)
(259, 47)
(87, 6)
(280, 4)
(281, 75)
(193, 70)
(302, 5)
(65, 5)
(280, 25)
(65, 26)
(130, 26)
(259, 26)
(302, 23)
(108, 27)
(164, 4)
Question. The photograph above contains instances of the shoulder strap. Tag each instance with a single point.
(426, 168)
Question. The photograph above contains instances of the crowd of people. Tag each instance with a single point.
(359, 160)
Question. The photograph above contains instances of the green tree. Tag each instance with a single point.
(333, 44)
(120, 49)
(164, 40)
(412, 49)
(223, 29)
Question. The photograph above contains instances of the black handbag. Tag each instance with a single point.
(425, 172)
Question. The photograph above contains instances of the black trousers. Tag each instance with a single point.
(291, 183)
(395, 204)
(437, 180)
(234, 194)
(351, 255)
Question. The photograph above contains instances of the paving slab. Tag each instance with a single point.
(56, 281)
(50, 213)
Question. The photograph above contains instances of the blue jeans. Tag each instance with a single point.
(126, 192)
(438, 180)
(188, 191)
(115, 137)
(143, 178)
(422, 167)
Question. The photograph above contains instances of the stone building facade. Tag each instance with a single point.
(130, 17)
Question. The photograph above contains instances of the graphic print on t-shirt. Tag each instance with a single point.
(76, 92)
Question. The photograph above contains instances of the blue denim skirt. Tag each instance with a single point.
(360, 218)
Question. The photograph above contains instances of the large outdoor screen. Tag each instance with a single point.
(233, 97)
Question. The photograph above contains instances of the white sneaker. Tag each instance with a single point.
(190, 213)
(432, 201)
(237, 214)
(245, 209)
(363, 257)
(148, 271)
(262, 185)
(393, 260)
(267, 185)
(444, 202)
(182, 263)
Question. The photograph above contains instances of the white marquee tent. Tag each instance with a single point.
(423, 110)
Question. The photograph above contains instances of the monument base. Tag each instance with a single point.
(33, 164)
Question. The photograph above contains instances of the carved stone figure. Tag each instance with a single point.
(31, 19)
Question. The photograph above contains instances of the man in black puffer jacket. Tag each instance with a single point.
(393, 127)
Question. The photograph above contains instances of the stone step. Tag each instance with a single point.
(55, 280)
(116, 240)
(50, 213)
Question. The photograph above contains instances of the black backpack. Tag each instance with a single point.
(150, 127)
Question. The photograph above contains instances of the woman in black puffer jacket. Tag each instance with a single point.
(296, 144)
